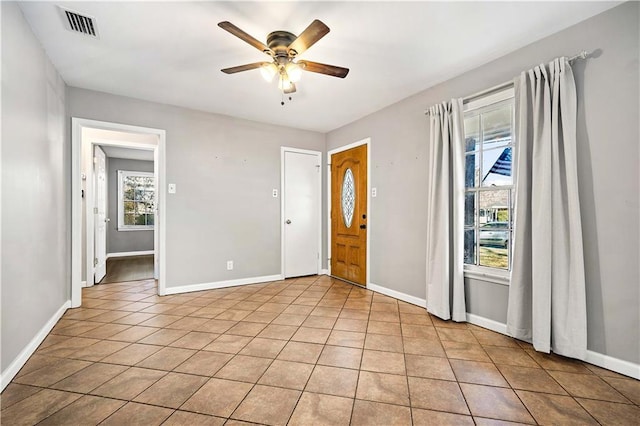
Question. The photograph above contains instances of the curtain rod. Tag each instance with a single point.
(582, 55)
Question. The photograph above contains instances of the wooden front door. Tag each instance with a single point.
(349, 215)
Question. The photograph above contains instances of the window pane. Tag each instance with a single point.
(141, 219)
(139, 193)
(150, 219)
(129, 219)
(472, 133)
(471, 170)
(469, 247)
(493, 256)
(129, 207)
(147, 196)
(469, 209)
(494, 206)
(494, 231)
(496, 167)
(128, 185)
(348, 197)
(141, 208)
(496, 127)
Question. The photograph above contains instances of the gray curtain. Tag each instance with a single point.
(547, 301)
(445, 212)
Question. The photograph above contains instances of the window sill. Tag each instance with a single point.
(482, 274)
(146, 228)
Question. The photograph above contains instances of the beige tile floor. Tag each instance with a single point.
(306, 351)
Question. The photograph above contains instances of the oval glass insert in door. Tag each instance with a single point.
(348, 198)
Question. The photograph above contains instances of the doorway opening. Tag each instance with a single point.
(349, 221)
(127, 248)
(111, 197)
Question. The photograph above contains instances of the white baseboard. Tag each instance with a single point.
(15, 366)
(605, 361)
(398, 295)
(487, 323)
(130, 253)
(221, 284)
(614, 364)
(324, 272)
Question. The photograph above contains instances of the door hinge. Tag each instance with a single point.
(95, 160)
(95, 210)
(95, 261)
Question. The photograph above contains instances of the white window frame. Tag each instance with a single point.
(122, 174)
(487, 273)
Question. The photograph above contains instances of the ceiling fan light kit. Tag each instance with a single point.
(284, 47)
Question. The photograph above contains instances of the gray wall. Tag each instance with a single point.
(608, 171)
(35, 196)
(124, 241)
(225, 170)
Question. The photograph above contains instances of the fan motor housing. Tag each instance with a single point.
(278, 41)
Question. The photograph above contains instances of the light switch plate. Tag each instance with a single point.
(275, 193)
(172, 188)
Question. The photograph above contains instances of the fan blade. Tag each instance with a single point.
(331, 70)
(241, 68)
(309, 37)
(291, 89)
(228, 26)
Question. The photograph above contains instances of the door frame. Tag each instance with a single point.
(77, 145)
(367, 142)
(283, 150)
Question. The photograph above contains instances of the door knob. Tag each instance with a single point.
(363, 226)
(106, 219)
(288, 222)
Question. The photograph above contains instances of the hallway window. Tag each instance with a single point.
(136, 200)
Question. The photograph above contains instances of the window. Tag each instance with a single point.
(488, 207)
(136, 200)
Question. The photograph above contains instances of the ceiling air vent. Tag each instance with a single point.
(78, 23)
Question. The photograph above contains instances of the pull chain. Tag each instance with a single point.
(282, 91)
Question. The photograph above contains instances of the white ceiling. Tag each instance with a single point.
(127, 153)
(172, 52)
(112, 141)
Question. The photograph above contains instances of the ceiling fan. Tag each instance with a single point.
(284, 47)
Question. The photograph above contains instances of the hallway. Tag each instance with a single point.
(131, 268)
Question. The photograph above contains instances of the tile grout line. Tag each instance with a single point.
(254, 297)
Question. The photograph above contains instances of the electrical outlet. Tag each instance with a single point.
(275, 193)
(229, 265)
(374, 192)
(172, 188)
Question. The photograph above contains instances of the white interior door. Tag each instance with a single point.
(100, 214)
(301, 212)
